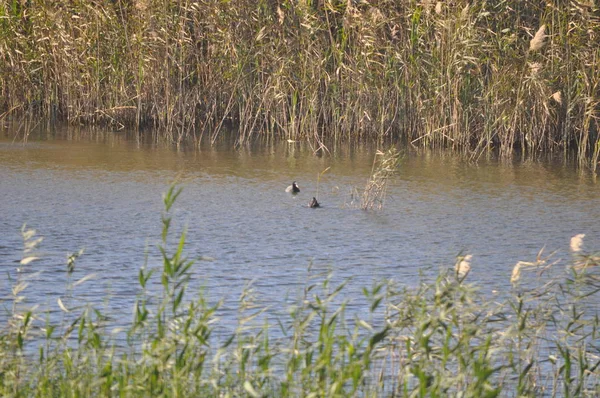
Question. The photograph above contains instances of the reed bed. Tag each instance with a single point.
(446, 337)
(508, 76)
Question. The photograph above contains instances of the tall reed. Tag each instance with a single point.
(456, 75)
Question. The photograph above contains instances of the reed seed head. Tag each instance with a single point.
(577, 243)
(516, 273)
(463, 266)
(539, 39)
(557, 96)
(464, 12)
(141, 5)
(535, 67)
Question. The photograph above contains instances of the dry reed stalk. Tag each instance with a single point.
(596, 154)
(384, 166)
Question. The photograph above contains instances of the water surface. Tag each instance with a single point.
(104, 195)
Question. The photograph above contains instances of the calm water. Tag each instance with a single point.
(104, 195)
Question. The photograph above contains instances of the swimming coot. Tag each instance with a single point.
(313, 203)
(294, 188)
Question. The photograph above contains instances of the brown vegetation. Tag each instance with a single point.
(471, 77)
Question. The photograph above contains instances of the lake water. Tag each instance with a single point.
(104, 194)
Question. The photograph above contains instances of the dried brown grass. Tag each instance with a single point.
(384, 167)
(439, 75)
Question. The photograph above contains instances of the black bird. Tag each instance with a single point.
(313, 203)
(294, 188)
